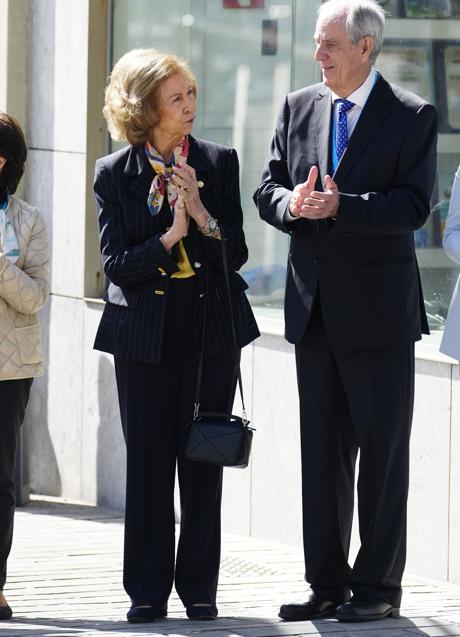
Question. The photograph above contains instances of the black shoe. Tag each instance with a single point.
(140, 614)
(5, 612)
(357, 610)
(313, 608)
(201, 613)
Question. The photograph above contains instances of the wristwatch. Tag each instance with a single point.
(210, 227)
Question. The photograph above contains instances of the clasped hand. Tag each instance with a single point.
(186, 184)
(312, 204)
(188, 205)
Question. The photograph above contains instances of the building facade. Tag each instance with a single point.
(54, 59)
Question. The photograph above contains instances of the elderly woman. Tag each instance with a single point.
(166, 203)
(23, 291)
(450, 343)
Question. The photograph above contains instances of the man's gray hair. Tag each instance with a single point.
(363, 18)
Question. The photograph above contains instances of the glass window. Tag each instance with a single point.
(247, 54)
(425, 59)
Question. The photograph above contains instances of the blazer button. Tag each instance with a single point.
(197, 264)
(164, 274)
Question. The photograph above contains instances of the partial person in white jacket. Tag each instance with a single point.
(450, 343)
(23, 291)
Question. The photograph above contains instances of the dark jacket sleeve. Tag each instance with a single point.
(406, 206)
(275, 190)
(125, 264)
(230, 217)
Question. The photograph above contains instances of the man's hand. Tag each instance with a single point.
(312, 204)
(302, 192)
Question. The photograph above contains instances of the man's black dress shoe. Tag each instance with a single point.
(357, 610)
(201, 613)
(5, 612)
(139, 614)
(313, 608)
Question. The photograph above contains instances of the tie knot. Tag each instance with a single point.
(344, 105)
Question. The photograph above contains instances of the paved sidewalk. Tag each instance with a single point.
(65, 580)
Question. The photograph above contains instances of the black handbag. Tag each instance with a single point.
(218, 438)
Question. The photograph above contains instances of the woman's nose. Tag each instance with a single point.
(190, 104)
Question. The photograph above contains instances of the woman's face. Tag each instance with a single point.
(176, 107)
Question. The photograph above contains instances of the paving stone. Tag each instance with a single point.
(65, 575)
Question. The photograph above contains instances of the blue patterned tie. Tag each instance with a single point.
(341, 133)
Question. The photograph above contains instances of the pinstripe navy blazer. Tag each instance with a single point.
(138, 268)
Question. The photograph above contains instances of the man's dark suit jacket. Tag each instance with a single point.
(363, 263)
(138, 267)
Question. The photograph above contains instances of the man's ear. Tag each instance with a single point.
(2, 162)
(367, 47)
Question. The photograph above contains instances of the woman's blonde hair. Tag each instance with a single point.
(132, 90)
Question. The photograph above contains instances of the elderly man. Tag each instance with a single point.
(349, 176)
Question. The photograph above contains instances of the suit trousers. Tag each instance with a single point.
(156, 403)
(349, 401)
(14, 395)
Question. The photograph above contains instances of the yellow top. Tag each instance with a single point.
(184, 265)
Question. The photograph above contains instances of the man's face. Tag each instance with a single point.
(344, 65)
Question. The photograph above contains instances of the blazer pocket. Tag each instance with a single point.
(29, 344)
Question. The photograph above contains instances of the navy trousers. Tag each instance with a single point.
(14, 395)
(156, 403)
(352, 400)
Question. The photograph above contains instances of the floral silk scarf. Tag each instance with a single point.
(161, 183)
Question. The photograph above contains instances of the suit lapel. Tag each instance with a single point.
(374, 112)
(199, 159)
(204, 166)
(323, 111)
(140, 173)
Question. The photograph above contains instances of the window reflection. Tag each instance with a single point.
(406, 63)
(416, 9)
(452, 70)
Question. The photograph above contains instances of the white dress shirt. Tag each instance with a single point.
(359, 99)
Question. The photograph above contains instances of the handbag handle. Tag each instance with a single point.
(196, 410)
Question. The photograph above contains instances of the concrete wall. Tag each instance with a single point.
(53, 65)
(73, 435)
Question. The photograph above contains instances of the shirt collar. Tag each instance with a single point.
(359, 97)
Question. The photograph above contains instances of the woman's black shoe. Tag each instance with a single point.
(201, 612)
(5, 612)
(139, 614)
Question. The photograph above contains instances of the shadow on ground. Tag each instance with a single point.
(73, 511)
(230, 626)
